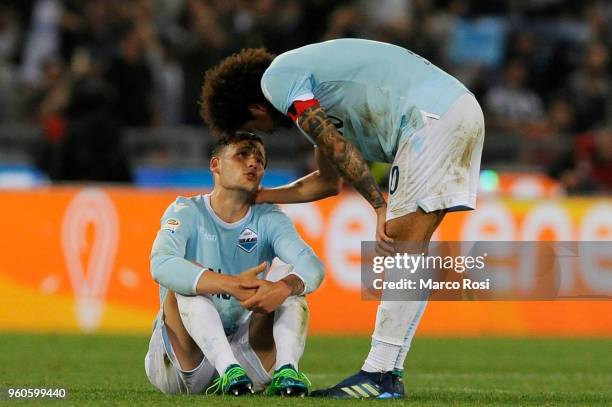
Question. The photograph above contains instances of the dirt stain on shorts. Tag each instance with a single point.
(466, 158)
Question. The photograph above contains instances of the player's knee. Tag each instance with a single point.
(190, 308)
(189, 302)
(298, 307)
(298, 302)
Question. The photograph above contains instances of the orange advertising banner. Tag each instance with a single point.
(77, 260)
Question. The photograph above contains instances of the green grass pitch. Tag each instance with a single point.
(109, 370)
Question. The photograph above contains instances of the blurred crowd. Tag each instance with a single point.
(84, 69)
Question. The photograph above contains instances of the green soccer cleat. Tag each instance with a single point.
(289, 382)
(234, 382)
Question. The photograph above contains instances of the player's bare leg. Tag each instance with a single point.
(424, 226)
(417, 226)
(394, 318)
(400, 318)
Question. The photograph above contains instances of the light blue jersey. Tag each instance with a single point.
(191, 231)
(376, 93)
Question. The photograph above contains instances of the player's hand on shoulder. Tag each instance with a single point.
(264, 196)
(259, 196)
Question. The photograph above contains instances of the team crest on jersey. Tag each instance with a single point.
(247, 240)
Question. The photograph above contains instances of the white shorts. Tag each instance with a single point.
(164, 372)
(438, 166)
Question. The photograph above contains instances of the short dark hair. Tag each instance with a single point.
(231, 86)
(237, 137)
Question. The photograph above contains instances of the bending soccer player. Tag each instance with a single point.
(359, 101)
(205, 338)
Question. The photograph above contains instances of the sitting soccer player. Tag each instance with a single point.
(205, 338)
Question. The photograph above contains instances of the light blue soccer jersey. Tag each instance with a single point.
(191, 231)
(376, 93)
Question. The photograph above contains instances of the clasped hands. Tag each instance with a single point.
(257, 295)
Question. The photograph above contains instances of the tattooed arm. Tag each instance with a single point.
(342, 155)
(337, 159)
(350, 164)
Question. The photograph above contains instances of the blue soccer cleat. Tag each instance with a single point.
(397, 382)
(361, 385)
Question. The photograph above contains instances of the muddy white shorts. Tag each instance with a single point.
(164, 372)
(438, 166)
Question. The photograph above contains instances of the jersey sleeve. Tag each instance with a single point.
(168, 264)
(284, 85)
(289, 247)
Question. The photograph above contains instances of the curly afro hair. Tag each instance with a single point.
(231, 86)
